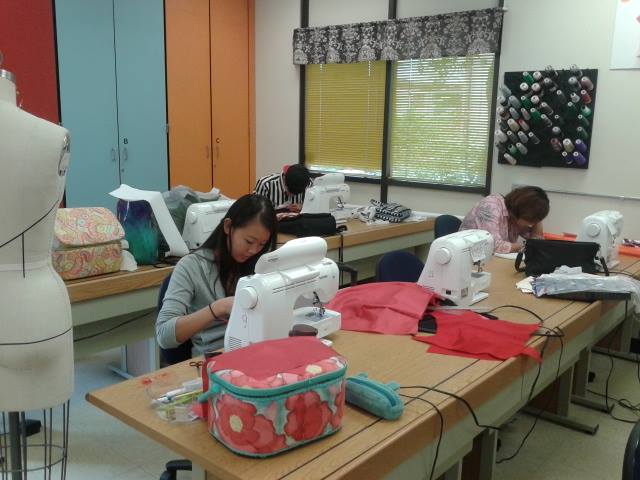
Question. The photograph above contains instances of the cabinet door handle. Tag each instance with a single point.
(113, 154)
(125, 154)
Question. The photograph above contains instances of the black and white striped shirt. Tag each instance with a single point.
(273, 187)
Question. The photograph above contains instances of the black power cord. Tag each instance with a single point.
(138, 317)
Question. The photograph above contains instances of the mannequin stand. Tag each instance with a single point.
(47, 454)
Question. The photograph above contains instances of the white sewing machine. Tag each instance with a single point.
(202, 219)
(318, 197)
(605, 229)
(448, 271)
(263, 307)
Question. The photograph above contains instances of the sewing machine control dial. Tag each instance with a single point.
(247, 297)
(443, 256)
(593, 230)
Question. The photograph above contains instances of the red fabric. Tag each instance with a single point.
(265, 359)
(468, 334)
(387, 307)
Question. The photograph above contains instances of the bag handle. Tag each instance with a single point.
(604, 266)
(519, 261)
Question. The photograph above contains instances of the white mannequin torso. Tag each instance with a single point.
(34, 372)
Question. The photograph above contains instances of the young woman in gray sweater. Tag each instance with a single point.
(199, 298)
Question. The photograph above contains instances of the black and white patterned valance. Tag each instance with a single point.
(448, 35)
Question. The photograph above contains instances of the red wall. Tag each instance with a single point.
(27, 42)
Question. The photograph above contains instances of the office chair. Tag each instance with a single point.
(446, 224)
(169, 356)
(399, 266)
(631, 461)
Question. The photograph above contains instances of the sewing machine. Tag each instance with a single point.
(603, 228)
(263, 307)
(202, 219)
(318, 197)
(448, 271)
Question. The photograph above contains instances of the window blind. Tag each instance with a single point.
(344, 117)
(440, 114)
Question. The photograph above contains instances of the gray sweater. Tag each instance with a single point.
(191, 289)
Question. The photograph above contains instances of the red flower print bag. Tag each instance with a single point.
(275, 395)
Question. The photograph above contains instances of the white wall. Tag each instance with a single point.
(577, 31)
(580, 32)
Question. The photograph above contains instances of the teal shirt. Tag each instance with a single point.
(191, 288)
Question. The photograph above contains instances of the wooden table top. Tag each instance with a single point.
(358, 233)
(367, 446)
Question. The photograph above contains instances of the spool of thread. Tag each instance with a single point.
(556, 144)
(575, 70)
(580, 146)
(502, 100)
(586, 111)
(586, 98)
(549, 84)
(527, 77)
(582, 133)
(514, 113)
(521, 148)
(536, 88)
(524, 87)
(562, 98)
(574, 98)
(537, 75)
(503, 125)
(535, 99)
(568, 145)
(505, 90)
(513, 125)
(583, 120)
(502, 112)
(574, 83)
(526, 102)
(532, 137)
(509, 159)
(514, 102)
(546, 120)
(586, 83)
(500, 136)
(572, 110)
(558, 119)
(512, 136)
(551, 72)
(535, 115)
(544, 107)
(525, 113)
(567, 158)
(523, 137)
(512, 149)
(523, 125)
(556, 131)
(579, 159)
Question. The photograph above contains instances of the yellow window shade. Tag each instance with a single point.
(440, 115)
(344, 117)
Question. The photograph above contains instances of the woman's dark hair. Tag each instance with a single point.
(297, 179)
(243, 211)
(528, 203)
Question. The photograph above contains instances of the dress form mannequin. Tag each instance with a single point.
(36, 343)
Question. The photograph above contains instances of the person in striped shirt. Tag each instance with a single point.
(285, 189)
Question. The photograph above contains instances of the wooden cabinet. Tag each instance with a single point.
(113, 96)
(210, 94)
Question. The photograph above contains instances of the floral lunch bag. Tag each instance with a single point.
(275, 395)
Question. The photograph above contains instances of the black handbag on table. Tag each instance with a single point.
(309, 225)
(544, 256)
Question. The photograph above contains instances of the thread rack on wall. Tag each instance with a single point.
(545, 118)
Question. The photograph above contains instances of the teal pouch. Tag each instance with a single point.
(377, 398)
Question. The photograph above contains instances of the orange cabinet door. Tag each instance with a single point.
(189, 93)
(232, 95)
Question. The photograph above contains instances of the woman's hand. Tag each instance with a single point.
(222, 308)
(516, 247)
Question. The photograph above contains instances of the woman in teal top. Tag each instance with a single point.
(199, 297)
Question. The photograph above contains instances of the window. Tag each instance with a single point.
(439, 120)
(344, 115)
